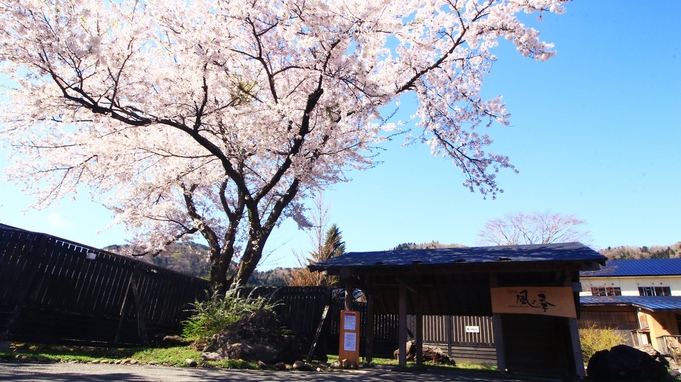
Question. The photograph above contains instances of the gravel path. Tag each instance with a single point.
(108, 372)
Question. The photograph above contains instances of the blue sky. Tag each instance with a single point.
(595, 132)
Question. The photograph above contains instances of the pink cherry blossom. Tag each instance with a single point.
(217, 118)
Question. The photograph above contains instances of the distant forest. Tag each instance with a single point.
(192, 258)
(631, 252)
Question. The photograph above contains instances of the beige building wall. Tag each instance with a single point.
(630, 285)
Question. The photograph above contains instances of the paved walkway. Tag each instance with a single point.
(107, 372)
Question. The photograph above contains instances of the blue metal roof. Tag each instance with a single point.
(640, 267)
(563, 252)
(652, 303)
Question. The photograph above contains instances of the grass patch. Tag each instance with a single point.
(175, 356)
(172, 356)
(394, 362)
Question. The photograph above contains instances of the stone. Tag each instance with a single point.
(624, 363)
(211, 356)
(280, 366)
(152, 363)
(257, 337)
(301, 366)
(347, 364)
(430, 353)
(191, 363)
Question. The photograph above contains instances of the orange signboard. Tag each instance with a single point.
(548, 301)
(349, 337)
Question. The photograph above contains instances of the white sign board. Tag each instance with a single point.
(472, 329)
(350, 322)
(350, 341)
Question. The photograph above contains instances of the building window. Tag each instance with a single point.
(654, 291)
(606, 291)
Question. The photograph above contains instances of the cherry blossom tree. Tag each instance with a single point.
(217, 118)
(534, 228)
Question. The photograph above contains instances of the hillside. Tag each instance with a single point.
(192, 259)
(632, 252)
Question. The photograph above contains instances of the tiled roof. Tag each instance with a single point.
(448, 256)
(652, 303)
(641, 267)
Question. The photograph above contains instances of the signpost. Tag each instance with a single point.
(349, 338)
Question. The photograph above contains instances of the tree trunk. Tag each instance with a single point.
(247, 265)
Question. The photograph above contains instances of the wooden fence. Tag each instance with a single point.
(56, 291)
(59, 292)
(464, 338)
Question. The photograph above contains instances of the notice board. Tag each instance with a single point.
(349, 336)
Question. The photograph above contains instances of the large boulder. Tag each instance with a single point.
(432, 354)
(624, 363)
(256, 337)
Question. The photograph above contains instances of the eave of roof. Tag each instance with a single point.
(442, 259)
(651, 303)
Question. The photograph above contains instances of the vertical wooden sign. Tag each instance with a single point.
(349, 337)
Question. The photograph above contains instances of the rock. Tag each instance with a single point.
(152, 363)
(624, 363)
(411, 351)
(429, 354)
(335, 365)
(262, 365)
(237, 351)
(436, 356)
(301, 366)
(347, 364)
(211, 356)
(256, 336)
(191, 363)
(280, 366)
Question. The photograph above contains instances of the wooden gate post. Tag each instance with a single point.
(498, 332)
(419, 332)
(369, 355)
(402, 325)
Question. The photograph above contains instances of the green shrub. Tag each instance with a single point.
(215, 313)
(593, 339)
